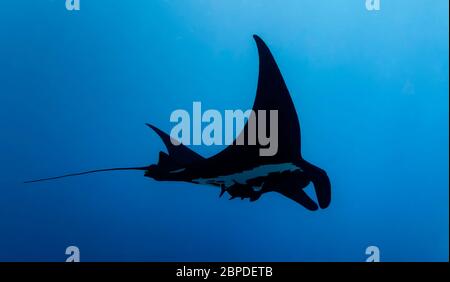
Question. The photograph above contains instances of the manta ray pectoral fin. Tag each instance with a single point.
(272, 95)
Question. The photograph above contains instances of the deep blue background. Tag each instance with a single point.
(371, 90)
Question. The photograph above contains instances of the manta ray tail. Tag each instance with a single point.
(87, 172)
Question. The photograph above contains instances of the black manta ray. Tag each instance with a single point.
(240, 170)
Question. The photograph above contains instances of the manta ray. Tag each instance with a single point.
(239, 169)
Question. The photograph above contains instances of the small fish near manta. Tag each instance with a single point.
(240, 170)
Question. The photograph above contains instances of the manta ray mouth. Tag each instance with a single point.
(305, 200)
(312, 198)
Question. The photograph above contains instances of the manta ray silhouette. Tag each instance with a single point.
(239, 170)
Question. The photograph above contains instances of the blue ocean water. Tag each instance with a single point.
(76, 87)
